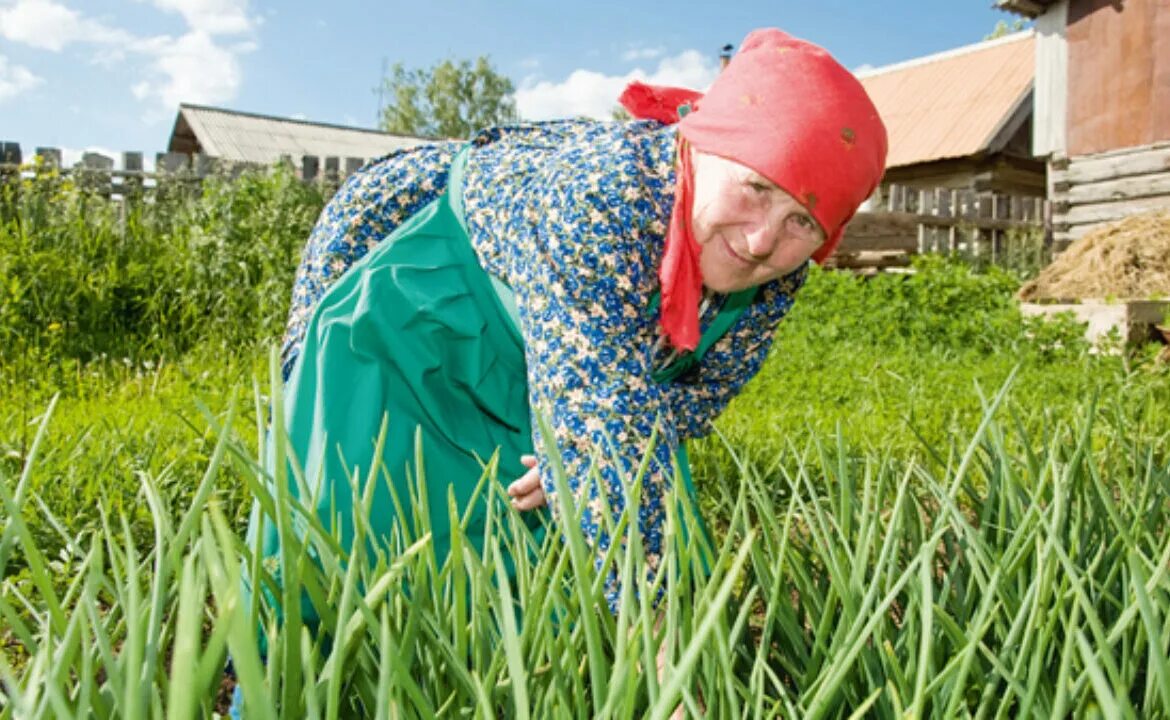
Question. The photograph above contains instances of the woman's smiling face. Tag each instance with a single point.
(749, 230)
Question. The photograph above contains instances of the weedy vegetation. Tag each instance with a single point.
(924, 506)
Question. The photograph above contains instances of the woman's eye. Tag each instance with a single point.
(804, 222)
(758, 186)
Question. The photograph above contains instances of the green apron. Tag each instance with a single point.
(416, 334)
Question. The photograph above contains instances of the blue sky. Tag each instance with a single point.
(109, 74)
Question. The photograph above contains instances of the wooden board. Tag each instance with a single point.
(1146, 159)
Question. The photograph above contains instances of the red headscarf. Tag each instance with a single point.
(786, 109)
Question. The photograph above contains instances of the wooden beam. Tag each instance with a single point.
(867, 259)
(1107, 212)
(1125, 188)
(1107, 166)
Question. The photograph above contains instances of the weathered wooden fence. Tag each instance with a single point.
(104, 176)
(910, 221)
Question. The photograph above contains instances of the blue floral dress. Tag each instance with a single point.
(572, 216)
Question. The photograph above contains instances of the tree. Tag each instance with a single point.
(450, 100)
(1002, 28)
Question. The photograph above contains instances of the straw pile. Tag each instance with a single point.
(1127, 260)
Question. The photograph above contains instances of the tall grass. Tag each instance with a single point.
(890, 543)
(147, 277)
(988, 582)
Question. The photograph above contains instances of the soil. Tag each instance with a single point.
(1126, 260)
(223, 699)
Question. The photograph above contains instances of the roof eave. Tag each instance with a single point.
(181, 131)
(1011, 122)
(1028, 8)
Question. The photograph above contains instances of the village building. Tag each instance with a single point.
(251, 138)
(1101, 117)
(961, 119)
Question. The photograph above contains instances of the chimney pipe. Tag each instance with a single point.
(725, 55)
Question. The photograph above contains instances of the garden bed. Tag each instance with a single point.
(1134, 320)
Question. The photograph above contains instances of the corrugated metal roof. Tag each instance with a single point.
(264, 139)
(955, 103)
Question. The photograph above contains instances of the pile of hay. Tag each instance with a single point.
(1127, 260)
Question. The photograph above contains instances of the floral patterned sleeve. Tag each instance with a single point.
(582, 292)
(697, 399)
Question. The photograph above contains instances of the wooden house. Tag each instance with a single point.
(961, 119)
(241, 137)
(1101, 107)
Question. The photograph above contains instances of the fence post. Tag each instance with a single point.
(308, 168)
(1002, 211)
(95, 174)
(10, 153)
(9, 178)
(168, 169)
(132, 179)
(10, 159)
(170, 162)
(925, 207)
(953, 231)
(332, 177)
(891, 194)
(203, 165)
(49, 158)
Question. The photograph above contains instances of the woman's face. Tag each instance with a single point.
(749, 230)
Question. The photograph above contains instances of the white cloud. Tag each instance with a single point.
(15, 79)
(201, 66)
(192, 68)
(213, 17)
(52, 26)
(644, 53)
(592, 94)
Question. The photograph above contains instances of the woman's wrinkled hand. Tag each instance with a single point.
(527, 493)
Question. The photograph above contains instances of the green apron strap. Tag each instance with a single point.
(455, 202)
(733, 307)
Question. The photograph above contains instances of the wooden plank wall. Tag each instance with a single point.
(1118, 74)
(1094, 190)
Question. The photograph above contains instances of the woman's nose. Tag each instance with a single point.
(760, 239)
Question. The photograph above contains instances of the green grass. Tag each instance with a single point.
(924, 506)
(984, 583)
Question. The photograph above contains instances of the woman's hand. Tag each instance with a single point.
(527, 492)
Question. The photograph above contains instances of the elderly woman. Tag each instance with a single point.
(618, 279)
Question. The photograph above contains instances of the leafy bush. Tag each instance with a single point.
(895, 361)
(85, 277)
(944, 306)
